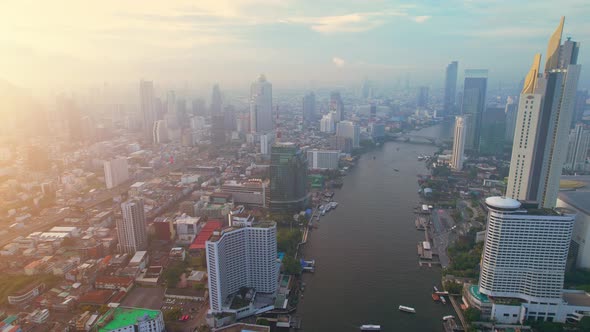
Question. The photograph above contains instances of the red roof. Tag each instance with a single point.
(205, 234)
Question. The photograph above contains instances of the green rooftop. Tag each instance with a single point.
(474, 290)
(122, 317)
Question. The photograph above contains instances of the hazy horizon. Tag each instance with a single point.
(69, 45)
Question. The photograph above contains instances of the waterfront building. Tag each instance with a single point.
(261, 106)
(450, 87)
(116, 171)
(147, 107)
(474, 104)
(309, 109)
(377, 130)
(349, 129)
(288, 178)
(252, 193)
(328, 123)
(239, 258)
(337, 106)
(323, 159)
(459, 142)
(493, 127)
(524, 260)
(131, 229)
(577, 149)
(544, 116)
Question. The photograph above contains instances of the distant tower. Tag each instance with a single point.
(131, 230)
(288, 178)
(349, 129)
(217, 117)
(261, 106)
(422, 96)
(474, 104)
(577, 151)
(116, 171)
(459, 143)
(450, 87)
(511, 112)
(147, 108)
(337, 106)
(309, 110)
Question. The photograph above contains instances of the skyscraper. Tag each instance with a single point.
(422, 96)
(337, 106)
(309, 114)
(327, 123)
(577, 150)
(349, 129)
(450, 87)
(160, 132)
(131, 229)
(217, 117)
(474, 104)
(116, 171)
(240, 257)
(493, 129)
(216, 101)
(459, 142)
(146, 104)
(261, 106)
(544, 116)
(288, 178)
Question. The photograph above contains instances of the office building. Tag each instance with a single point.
(147, 108)
(422, 96)
(131, 229)
(473, 104)
(544, 116)
(328, 123)
(337, 106)
(577, 149)
(459, 142)
(116, 171)
(160, 132)
(309, 108)
(377, 130)
(524, 260)
(216, 101)
(323, 159)
(252, 193)
(288, 178)
(450, 87)
(493, 130)
(241, 257)
(261, 106)
(218, 136)
(580, 107)
(349, 129)
(266, 142)
(343, 144)
(511, 112)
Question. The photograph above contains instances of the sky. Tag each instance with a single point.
(48, 45)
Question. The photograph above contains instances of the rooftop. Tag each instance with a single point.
(474, 291)
(241, 327)
(577, 298)
(577, 199)
(123, 317)
(503, 202)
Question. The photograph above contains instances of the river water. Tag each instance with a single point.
(365, 250)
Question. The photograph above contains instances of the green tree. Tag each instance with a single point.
(291, 265)
(472, 315)
(453, 287)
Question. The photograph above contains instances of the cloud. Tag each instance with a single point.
(339, 62)
(421, 19)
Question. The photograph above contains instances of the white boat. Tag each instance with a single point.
(442, 299)
(435, 288)
(448, 317)
(407, 309)
(334, 205)
(370, 327)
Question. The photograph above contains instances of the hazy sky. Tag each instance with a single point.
(60, 44)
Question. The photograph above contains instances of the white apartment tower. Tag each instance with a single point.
(116, 171)
(323, 159)
(241, 257)
(577, 150)
(350, 130)
(261, 106)
(328, 123)
(544, 116)
(459, 143)
(131, 230)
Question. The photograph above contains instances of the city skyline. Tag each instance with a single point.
(164, 42)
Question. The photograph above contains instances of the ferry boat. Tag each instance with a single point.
(448, 317)
(442, 299)
(334, 205)
(435, 288)
(370, 327)
(407, 309)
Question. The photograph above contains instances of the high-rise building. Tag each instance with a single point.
(459, 142)
(577, 150)
(377, 130)
(422, 96)
(350, 130)
(266, 142)
(171, 102)
(216, 101)
(337, 106)
(493, 129)
(511, 112)
(544, 116)
(524, 258)
(328, 123)
(131, 229)
(261, 106)
(474, 104)
(147, 108)
(580, 107)
(116, 171)
(323, 159)
(288, 178)
(450, 87)
(217, 117)
(309, 114)
(160, 132)
(241, 257)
